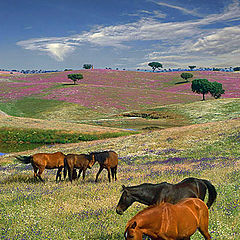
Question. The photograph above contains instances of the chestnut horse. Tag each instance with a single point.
(151, 194)
(40, 161)
(79, 161)
(167, 221)
(107, 160)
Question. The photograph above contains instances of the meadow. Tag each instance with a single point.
(86, 210)
(183, 137)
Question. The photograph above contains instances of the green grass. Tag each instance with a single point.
(38, 136)
(48, 109)
(206, 111)
(86, 210)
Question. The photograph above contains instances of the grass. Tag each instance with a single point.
(16, 135)
(86, 210)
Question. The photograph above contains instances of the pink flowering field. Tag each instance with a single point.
(114, 91)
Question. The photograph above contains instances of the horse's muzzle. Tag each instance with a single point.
(120, 212)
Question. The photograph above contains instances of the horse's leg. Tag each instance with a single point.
(113, 172)
(41, 169)
(35, 169)
(109, 174)
(84, 173)
(59, 174)
(99, 171)
(70, 173)
(79, 173)
(204, 231)
(203, 226)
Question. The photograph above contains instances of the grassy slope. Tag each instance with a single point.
(87, 210)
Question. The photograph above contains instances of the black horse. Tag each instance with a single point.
(150, 194)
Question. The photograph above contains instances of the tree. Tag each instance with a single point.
(216, 89)
(87, 66)
(75, 77)
(236, 69)
(155, 65)
(186, 76)
(201, 86)
(191, 67)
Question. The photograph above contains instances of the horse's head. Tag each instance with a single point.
(132, 232)
(91, 160)
(125, 201)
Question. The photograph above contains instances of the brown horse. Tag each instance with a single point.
(79, 161)
(167, 221)
(40, 161)
(107, 160)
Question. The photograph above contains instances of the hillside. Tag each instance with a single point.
(106, 102)
(102, 92)
(191, 141)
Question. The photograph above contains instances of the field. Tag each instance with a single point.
(86, 210)
(183, 137)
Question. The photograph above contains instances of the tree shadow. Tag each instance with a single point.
(181, 82)
(69, 84)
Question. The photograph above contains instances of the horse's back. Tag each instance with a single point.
(113, 158)
(107, 158)
(193, 205)
(49, 160)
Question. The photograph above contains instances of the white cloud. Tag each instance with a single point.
(224, 41)
(185, 38)
(183, 10)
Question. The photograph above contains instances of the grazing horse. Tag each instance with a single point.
(150, 194)
(108, 160)
(167, 221)
(40, 161)
(79, 161)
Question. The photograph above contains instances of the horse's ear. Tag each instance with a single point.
(134, 225)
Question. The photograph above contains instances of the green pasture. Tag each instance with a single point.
(173, 115)
(86, 210)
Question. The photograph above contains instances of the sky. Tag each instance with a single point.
(123, 34)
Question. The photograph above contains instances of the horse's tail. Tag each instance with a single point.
(24, 159)
(212, 193)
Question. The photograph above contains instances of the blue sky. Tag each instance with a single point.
(59, 34)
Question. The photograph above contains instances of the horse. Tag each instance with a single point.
(150, 194)
(107, 160)
(40, 161)
(79, 161)
(166, 221)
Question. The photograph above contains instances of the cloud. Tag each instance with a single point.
(183, 10)
(223, 41)
(154, 14)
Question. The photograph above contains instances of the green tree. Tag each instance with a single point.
(155, 65)
(201, 86)
(87, 66)
(191, 67)
(186, 76)
(216, 89)
(75, 76)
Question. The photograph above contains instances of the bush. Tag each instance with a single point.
(186, 76)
